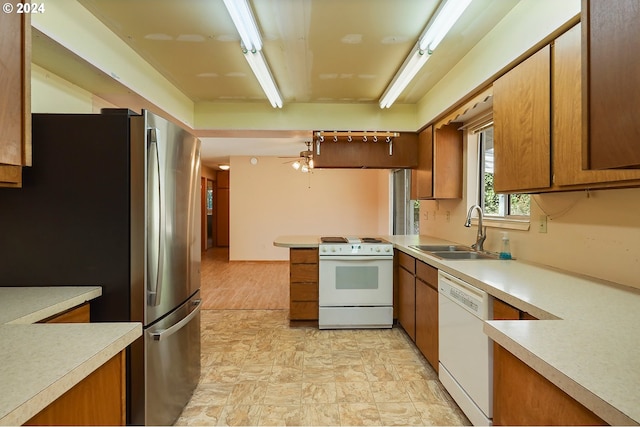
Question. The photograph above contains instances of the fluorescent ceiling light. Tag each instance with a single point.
(245, 24)
(445, 17)
(407, 72)
(263, 74)
(252, 48)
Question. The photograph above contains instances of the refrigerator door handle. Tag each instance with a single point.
(165, 333)
(155, 236)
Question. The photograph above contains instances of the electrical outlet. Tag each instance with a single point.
(542, 224)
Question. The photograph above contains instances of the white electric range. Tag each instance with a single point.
(356, 283)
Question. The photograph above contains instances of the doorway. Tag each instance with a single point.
(207, 236)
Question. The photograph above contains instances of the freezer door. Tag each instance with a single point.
(172, 363)
(173, 216)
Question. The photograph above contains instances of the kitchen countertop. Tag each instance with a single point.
(587, 341)
(297, 241)
(24, 305)
(40, 362)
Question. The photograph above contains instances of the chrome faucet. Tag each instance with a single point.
(482, 231)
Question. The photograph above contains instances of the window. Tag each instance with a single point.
(496, 205)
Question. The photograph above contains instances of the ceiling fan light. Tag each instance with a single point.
(296, 165)
(311, 164)
(304, 169)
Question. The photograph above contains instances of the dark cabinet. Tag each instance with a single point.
(611, 68)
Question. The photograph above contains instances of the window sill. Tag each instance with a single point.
(504, 223)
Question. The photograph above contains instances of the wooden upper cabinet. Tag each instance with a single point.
(521, 115)
(439, 173)
(422, 177)
(374, 155)
(447, 162)
(611, 66)
(15, 97)
(567, 120)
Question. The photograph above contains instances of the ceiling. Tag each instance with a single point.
(319, 51)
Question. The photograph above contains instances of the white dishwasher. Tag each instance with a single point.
(466, 353)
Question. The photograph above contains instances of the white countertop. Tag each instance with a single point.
(297, 241)
(587, 341)
(24, 305)
(40, 362)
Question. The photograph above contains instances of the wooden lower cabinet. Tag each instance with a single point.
(303, 280)
(407, 301)
(521, 396)
(427, 319)
(99, 399)
(418, 304)
(79, 314)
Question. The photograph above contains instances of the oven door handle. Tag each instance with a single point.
(356, 258)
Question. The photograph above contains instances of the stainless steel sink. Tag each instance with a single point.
(453, 252)
(441, 248)
(460, 255)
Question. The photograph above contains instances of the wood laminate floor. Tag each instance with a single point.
(246, 285)
(257, 370)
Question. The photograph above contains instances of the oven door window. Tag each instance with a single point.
(357, 277)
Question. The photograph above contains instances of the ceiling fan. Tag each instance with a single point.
(304, 163)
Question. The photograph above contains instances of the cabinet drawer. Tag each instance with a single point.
(304, 273)
(427, 274)
(407, 262)
(304, 292)
(305, 310)
(303, 256)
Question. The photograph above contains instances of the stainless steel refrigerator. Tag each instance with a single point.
(113, 199)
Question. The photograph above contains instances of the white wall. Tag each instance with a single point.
(52, 94)
(272, 199)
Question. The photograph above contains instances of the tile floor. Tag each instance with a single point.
(256, 370)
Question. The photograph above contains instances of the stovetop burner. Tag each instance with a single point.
(351, 240)
(333, 240)
(371, 240)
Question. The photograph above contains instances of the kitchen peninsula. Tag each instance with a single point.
(47, 367)
(585, 342)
